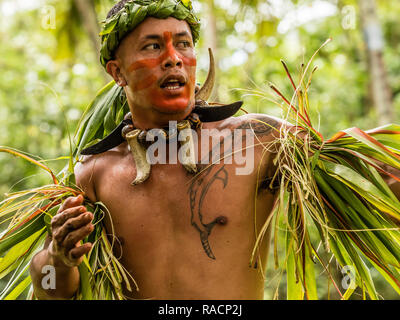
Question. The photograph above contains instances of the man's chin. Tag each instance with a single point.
(175, 109)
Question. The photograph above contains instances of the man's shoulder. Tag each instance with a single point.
(90, 166)
(260, 124)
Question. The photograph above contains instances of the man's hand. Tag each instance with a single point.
(69, 227)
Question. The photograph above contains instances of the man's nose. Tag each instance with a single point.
(172, 60)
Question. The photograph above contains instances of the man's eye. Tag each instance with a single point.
(183, 44)
(152, 46)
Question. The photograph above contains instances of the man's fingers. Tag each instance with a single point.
(71, 202)
(75, 236)
(78, 252)
(71, 225)
(60, 218)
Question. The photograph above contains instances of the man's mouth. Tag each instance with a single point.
(173, 82)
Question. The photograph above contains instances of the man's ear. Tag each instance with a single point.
(113, 69)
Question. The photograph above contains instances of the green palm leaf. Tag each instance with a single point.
(337, 185)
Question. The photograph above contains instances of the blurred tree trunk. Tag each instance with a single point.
(211, 41)
(88, 17)
(87, 13)
(380, 89)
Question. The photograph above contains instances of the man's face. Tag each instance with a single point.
(158, 63)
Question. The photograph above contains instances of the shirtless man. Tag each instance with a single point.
(182, 236)
(164, 247)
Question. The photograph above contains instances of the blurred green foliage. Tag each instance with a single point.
(48, 76)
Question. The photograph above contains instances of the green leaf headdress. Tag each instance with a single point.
(134, 12)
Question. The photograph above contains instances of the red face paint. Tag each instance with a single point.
(162, 98)
(144, 84)
(169, 52)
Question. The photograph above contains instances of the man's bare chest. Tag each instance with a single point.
(174, 204)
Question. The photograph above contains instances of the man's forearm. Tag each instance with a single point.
(63, 252)
(66, 279)
(395, 187)
(393, 184)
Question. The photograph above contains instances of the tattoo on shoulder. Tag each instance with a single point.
(261, 125)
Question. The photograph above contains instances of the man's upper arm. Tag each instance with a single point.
(266, 132)
(393, 184)
(395, 187)
(85, 176)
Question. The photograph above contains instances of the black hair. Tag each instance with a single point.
(116, 8)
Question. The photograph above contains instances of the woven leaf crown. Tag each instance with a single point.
(134, 12)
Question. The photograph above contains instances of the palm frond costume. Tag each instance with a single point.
(335, 185)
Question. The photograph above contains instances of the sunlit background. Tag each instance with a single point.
(50, 71)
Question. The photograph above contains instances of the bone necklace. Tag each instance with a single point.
(138, 143)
